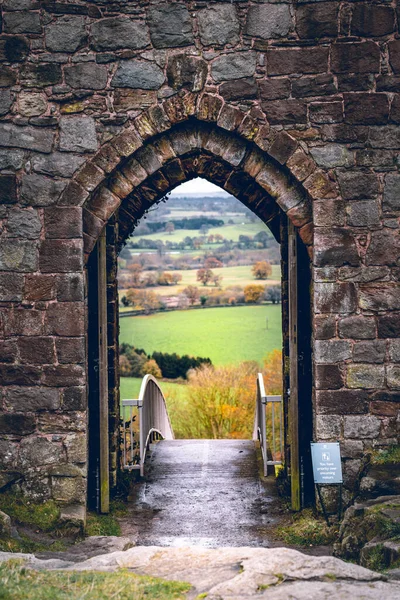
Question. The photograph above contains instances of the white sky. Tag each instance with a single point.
(197, 185)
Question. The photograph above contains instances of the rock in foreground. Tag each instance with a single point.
(239, 573)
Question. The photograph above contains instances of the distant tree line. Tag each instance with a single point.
(186, 223)
(135, 362)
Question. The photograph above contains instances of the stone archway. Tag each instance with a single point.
(145, 172)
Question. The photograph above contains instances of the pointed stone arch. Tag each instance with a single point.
(187, 136)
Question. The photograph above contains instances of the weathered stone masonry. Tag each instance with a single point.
(104, 106)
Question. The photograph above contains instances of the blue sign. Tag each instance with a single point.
(327, 465)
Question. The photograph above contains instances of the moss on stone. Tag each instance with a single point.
(308, 529)
(43, 516)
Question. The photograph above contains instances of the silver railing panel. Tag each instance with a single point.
(153, 422)
(268, 426)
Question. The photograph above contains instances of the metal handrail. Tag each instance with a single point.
(262, 432)
(154, 422)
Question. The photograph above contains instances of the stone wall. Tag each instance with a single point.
(104, 106)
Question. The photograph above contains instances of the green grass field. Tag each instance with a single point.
(130, 388)
(230, 232)
(225, 335)
(241, 275)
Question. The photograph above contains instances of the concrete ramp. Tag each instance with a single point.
(203, 492)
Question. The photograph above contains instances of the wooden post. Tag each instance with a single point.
(293, 416)
(103, 376)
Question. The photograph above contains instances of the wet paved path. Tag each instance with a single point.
(203, 492)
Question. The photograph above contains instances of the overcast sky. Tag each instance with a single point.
(198, 185)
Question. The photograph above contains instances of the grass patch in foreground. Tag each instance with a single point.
(226, 335)
(105, 524)
(40, 515)
(17, 582)
(307, 529)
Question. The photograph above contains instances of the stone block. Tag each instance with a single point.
(65, 319)
(384, 248)
(391, 194)
(131, 99)
(24, 321)
(324, 327)
(8, 454)
(329, 156)
(389, 326)
(66, 34)
(88, 76)
(300, 165)
(355, 57)
(328, 427)
(76, 446)
(285, 111)
(320, 85)
(107, 158)
(17, 424)
(241, 89)
(63, 222)
(356, 185)
(120, 32)
(63, 375)
(8, 351)
(366, 109)
(361, 427)
(138, 74)
(332, 351)
(69, 489)
(394, 55)
(357, 328)
(395, 109)
(369, 351)
(13, 49)
(6, 101)
(38, 190)
(78, 134)
(186, 71)
(365, 376)
(351, 449)
(274, 89)
(36, 350)
(24, 223)
(356, 82)
(31, 104)
(60, 256)
(385, 137)
(11, 287)
(22, 22)
(18, 255)
(363, 213)
(29, 138)
(328, 377)
(384, 409)
(70, 350)
(297, 60)
(170, 26)
(218, 25)
(342, 402)
(40, 75)
(268, 21)
(372, 20)
(70, 287)
(326, 112)
(74, 399)
(335, 297)
(393, 377)
(32, 399)
(380, 297)
(10, 159)
(317, 20)
(394, 351)
(39, 288)
(209, 108)
(387, 83)
(8, 189)
(57, 163)
(38, 451)
(234, 66)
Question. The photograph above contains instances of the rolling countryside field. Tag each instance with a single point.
(226, 335)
